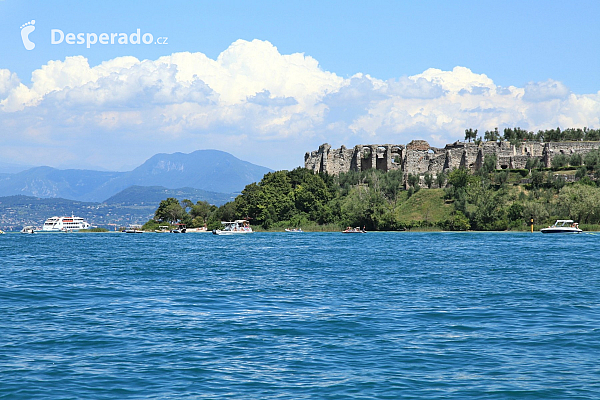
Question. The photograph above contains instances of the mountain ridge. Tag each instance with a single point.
(209, 170)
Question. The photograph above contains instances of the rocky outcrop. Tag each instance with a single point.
(419, 158)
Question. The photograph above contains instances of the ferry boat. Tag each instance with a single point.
(237, 227)
(563, 226)
(64, 224)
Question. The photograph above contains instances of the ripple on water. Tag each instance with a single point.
(313, 315)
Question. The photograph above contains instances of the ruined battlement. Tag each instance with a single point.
(419, 158)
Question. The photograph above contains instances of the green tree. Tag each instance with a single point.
(470, 134)
(489, 163)
(560, 160)
(200, 212)
(413, 180)
(428, 178)
(169, 210)
(459, 177)
(575, 160)
(580, 202)
(537, 179)
(440, 179)
(491, 136)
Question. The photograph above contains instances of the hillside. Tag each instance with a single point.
(207, 170)
(152, 195)
(121, 210)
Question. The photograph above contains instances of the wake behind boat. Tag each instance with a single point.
(563, 226)
(237, 227)
(64, 224)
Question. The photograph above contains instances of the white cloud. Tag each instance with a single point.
(8, 82)
(543, 91)
(261, 105)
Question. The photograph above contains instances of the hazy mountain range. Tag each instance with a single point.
(205, 173)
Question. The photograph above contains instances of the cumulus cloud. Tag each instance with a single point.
(8, 82)
(543, 91)
(257, 103)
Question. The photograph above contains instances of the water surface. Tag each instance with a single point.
(300, 316)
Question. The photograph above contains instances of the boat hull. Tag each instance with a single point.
(228, 233)
(561, 230)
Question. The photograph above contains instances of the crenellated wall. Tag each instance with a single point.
(419, 158)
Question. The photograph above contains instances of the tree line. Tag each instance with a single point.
(518, 135)
(489, 199)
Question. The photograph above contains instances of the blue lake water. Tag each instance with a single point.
(300, 316)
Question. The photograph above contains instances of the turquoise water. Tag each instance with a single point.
(300, 316)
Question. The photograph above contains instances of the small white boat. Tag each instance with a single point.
(1, 232)
(237, 227)
(354, 230)
(563, 226)
(28, 229)
(197, 230)
(133, 229)
(181, 228)
(294, 230)
(162, 229)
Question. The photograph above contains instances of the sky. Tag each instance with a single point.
(268, 81)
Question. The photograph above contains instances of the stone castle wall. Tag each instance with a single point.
(419, 158)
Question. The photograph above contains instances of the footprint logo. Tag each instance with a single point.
(26, 29)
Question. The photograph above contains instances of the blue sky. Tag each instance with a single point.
(270, 80)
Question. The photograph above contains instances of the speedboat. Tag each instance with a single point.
(28, 229)
(294, 230)
(354, 230)
(237, 227)
(202, 229)
(181, 228)
(563, 226)
(133, 229)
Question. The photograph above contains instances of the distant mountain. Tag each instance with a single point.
(211, 170)
(208, 170)
(49, 182)
(9, 168)
(153, 195)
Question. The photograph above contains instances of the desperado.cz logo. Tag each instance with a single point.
(57, 36)
(26, 29)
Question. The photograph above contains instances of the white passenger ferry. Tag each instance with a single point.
(64, 224)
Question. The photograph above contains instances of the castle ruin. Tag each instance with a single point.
(419, 158)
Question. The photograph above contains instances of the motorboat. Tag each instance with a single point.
(237, 227)
(294, 230)
(202, 229)
(563, 226)
(181, 228)
(28, 229)
(354, 230)
(133, 229)
(64, 224)
(162, 229)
